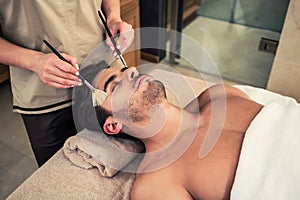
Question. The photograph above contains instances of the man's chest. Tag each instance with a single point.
(233, 114)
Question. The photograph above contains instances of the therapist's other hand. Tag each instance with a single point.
(56, 72)
(124, 33)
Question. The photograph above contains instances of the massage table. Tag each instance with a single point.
(60, 178)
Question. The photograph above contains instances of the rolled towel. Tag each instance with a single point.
(90, 149)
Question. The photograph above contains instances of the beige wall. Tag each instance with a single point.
(285, 74)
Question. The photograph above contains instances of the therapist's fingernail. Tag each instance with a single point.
(115, 54)
(118, 46)
(79, 84)
(112, 48)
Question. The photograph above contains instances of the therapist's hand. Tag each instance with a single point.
(124, 33)
(55, 72)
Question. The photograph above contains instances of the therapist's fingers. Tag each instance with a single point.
(71, 60)
(55, 72)
(58, 82)
(124, 40)
(123, 34)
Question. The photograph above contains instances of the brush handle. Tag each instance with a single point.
(55, 51)
(109, 33)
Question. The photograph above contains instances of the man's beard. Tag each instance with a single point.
(139, 106)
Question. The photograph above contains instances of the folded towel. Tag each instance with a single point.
(90, 149)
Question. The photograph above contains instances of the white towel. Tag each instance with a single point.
(269, 164)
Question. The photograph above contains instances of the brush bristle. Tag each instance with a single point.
(98, 97)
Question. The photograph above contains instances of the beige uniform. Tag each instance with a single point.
(71, 26)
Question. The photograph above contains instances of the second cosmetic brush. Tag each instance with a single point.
(112, 38)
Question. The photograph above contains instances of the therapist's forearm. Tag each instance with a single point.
(17, 56)
(112, 10)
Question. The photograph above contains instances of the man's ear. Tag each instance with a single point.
(111, 126)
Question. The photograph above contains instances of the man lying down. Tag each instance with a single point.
(236, 165)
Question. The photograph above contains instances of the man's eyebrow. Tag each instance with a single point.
(124, 69)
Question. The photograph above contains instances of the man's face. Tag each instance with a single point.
(130, 95)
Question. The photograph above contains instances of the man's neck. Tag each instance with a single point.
(177, 122)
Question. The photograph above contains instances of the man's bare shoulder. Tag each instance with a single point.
(155, 186)
(218, 91)
(214, 93)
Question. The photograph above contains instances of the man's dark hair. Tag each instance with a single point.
(85, 114)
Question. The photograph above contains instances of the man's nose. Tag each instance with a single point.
(131, 73)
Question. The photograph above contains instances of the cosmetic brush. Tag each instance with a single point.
(112, 38)
(98, 95)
